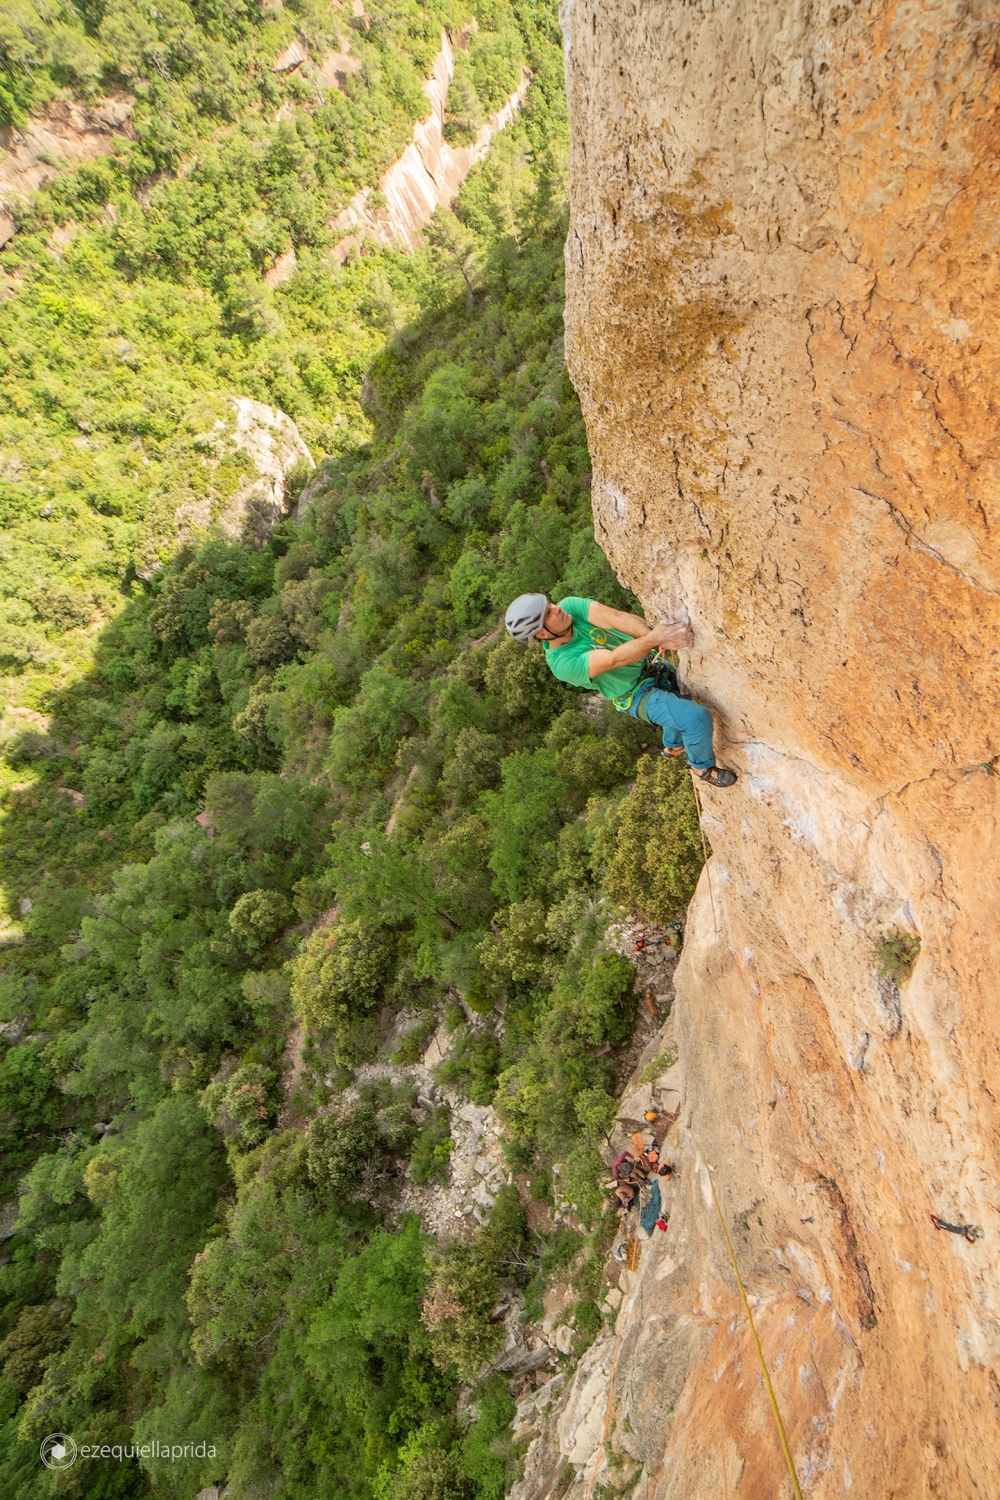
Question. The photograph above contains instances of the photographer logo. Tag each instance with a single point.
(58, 1451)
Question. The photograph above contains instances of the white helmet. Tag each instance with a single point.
(526, 616)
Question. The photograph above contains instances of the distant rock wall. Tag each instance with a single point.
(227, 467)
(783, 320)
(427, 176)
(273, 446)
(63, 133)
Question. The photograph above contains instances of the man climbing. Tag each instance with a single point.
(589, 645)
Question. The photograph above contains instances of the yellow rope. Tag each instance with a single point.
(786, 1450)
(753, 1329)
(704, 851)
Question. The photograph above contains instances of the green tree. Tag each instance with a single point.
(658, 852)
(337, 981)
(524, 817)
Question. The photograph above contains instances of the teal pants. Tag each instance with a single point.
(682, 721)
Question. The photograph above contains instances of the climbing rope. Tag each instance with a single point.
(633, 1262)
(704, 851)
(753, 1329)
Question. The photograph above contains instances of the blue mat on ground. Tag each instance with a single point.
(650, 1210)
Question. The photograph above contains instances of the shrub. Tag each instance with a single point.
(30, 745)
(38, 1334)
(413, 1043)
(595, 1003)
(435, 1474)
(472, 1065)
(474, 766)
(257, 917)
(658, 851)
(344, 1154)
(467, 1284)
(458, 1314)
(269, 642)
(387, 708)
(895, 953)
(431, 1158)
(561, 1251)
(488, 1454)
(516, 949)
(591, 1004)
(518, 676)
(245, 1104)
(525, 817)
(396, 1127)
(337, 981)
(28, 1101)
(586, 1319)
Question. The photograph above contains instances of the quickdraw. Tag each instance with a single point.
(970, 1232)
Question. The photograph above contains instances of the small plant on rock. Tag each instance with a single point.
(895, 953)
(660, 1064)
(431, 1157)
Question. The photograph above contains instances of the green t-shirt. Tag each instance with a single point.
(569, 662)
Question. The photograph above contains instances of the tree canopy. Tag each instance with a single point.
(270, 803)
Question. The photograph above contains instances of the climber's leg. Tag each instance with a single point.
(683, 722)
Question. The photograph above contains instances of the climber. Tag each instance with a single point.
(661, 1168)
(589, 645)
(625, 1193)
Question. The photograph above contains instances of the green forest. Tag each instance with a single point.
(301, 780)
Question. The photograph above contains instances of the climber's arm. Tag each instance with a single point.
(615, 619)
(674, 635)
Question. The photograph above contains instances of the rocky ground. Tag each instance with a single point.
(478, 1165)
(562, 1425)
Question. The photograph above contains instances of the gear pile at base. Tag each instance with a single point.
(636, 1175)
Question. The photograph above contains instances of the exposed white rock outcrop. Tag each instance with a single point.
(427, 175)
(65, 133)
(228, 467)
(271, 441)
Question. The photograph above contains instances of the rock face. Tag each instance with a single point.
(427, 175)
(64, 132)
(784, 325)
(269, 447)
(228, 467)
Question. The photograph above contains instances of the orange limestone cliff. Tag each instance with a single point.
(784, 324)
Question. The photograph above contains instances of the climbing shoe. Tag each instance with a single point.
(718, 776)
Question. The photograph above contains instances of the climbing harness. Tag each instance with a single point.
(639, 696)
(970, 1232)
(654, 672)
(753, 1329)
